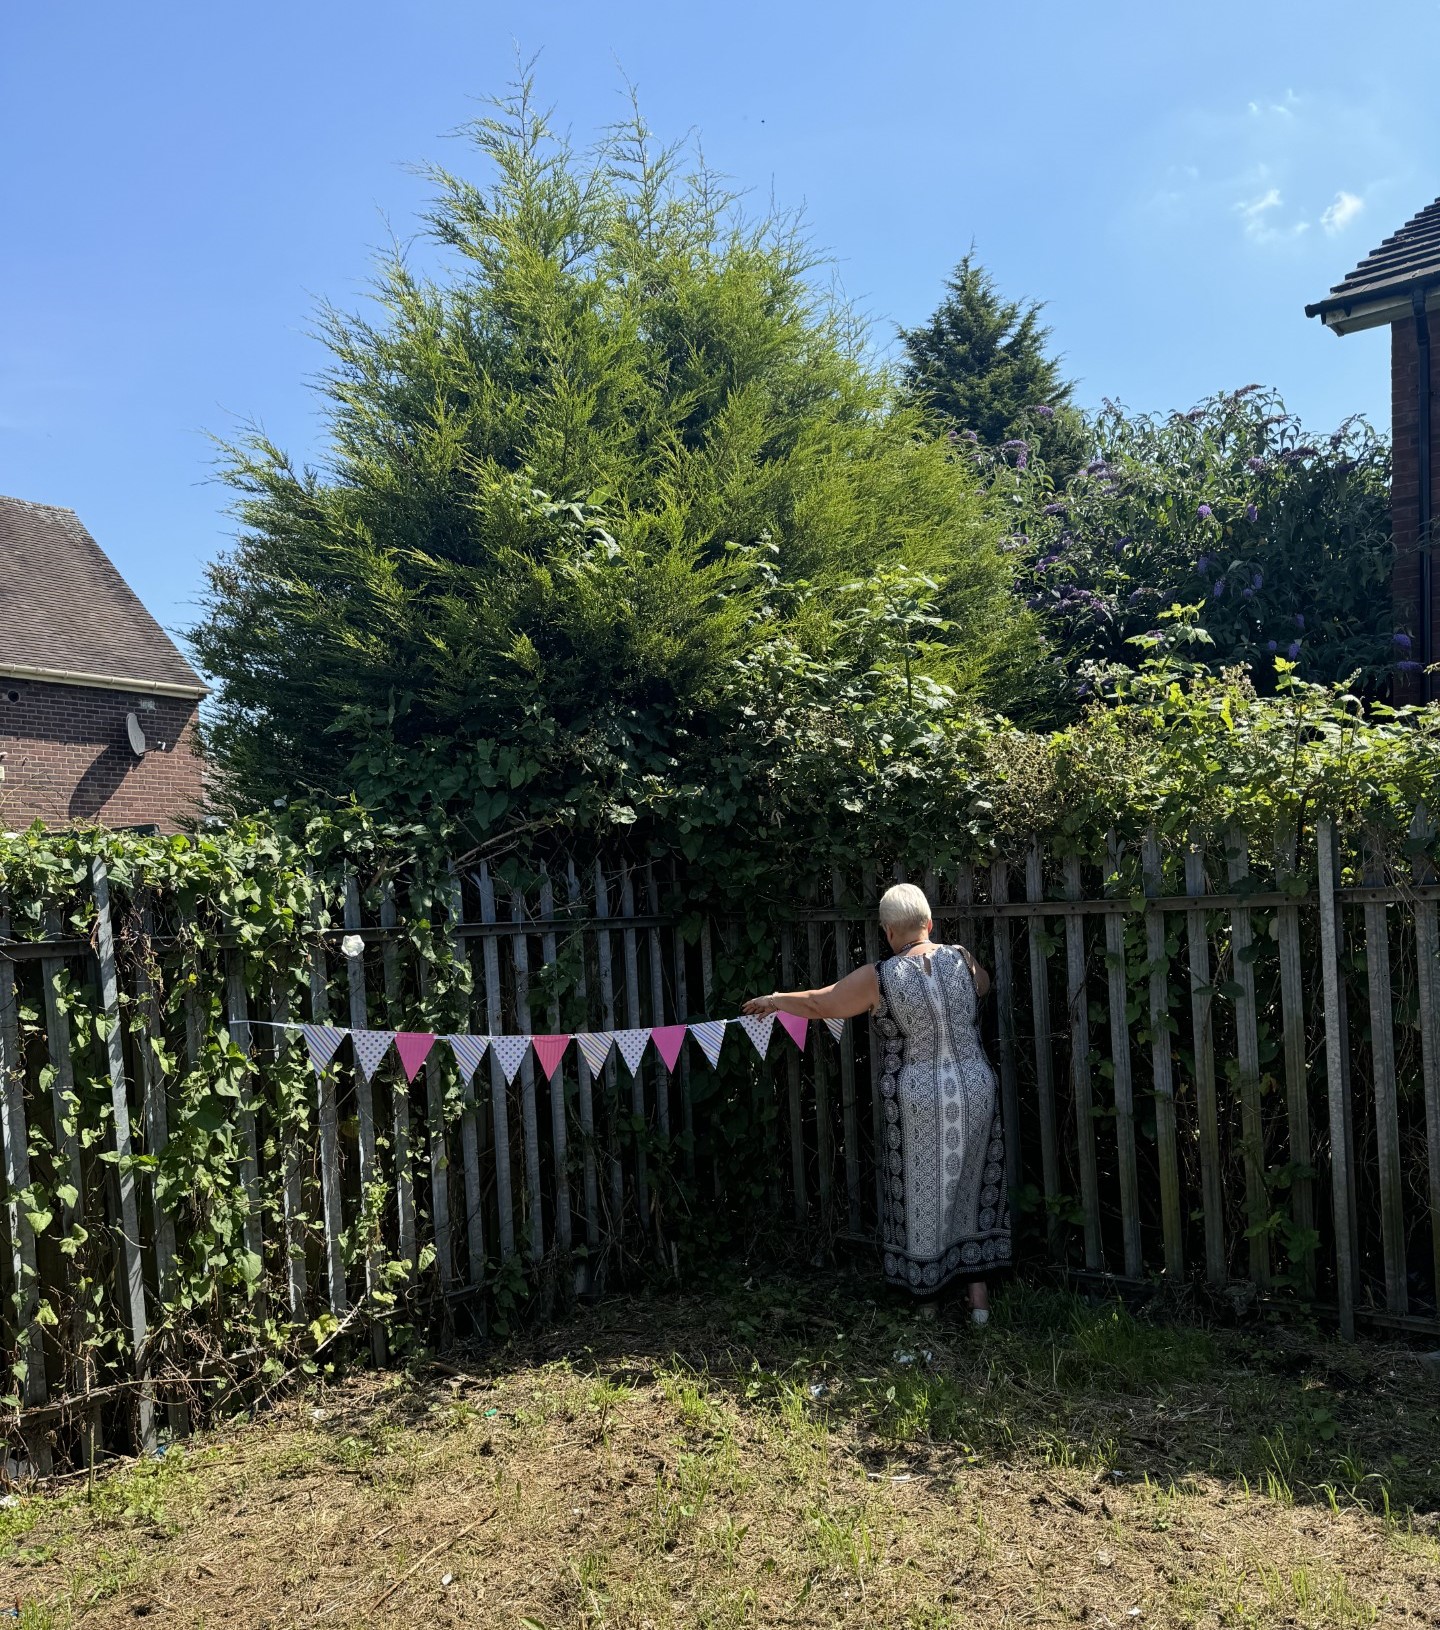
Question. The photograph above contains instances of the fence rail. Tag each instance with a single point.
(1218, 1061)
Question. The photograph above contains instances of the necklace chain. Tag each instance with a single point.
(911, 946)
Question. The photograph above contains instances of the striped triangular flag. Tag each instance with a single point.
(469, 1053)
(835, 1027)
(709, 1035)
(371, 1047)
(509, 1053)
(758, 1027)
(632, 1045)
(322, 1040)
(595, 1048)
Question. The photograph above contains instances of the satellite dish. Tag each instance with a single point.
(136, 735)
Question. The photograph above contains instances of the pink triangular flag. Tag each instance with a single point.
(371, 1047)
(322, 1040)
(758, 1026)
(413, 1047)
(632, 1044)
(709, 1035)
(595, 1048)
(669, 1039)
(549, 1050)
(509, 1052)
(469, 1052)
(835, 1027)
(796, 1028)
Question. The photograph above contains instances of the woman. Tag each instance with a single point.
(947, 1215)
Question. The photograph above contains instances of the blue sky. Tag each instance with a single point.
(181, 183)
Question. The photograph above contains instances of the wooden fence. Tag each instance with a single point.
(1215, 1068)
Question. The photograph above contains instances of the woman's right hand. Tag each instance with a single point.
(758, 1006)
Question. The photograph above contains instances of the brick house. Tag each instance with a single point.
(97, 706)
(1398, 287)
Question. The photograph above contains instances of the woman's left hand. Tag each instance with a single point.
(758, 1006)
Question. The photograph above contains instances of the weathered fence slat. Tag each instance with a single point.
(1005, 1003)
(499, 1089)
(1078, 1003)
(850, 1126)
(1162, 1065)
(237, 1018)
(1202, 1035)
(656, 968)
(1120, 1063)
(459, 954)
(529, 1112)
(1387, 1110)
(792, 1079)
(439, 1155)
(329, 1121)
(64, 1103)
(152, 1099)
(1247, 1039)
(682, 1016)
(604, 951)
(1297, 1096)
(558, 1129)
(26, 1288)
(1044, 1053)
(1427, 963)
(820, 1068)
(364, 1103)
(1337, 1084)
(292, 1170)
(399, 1091)
(586, 1105)
(632, 1019)
(124, 1172)
(877, 1130)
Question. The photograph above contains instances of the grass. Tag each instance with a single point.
(802, 1454)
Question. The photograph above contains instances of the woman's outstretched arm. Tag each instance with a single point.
(856, 993)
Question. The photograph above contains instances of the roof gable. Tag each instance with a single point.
(65, 610)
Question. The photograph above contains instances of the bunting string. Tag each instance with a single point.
(413, 1047)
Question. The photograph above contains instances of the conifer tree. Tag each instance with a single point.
(981, 365)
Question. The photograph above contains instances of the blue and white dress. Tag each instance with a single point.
(948, 1213)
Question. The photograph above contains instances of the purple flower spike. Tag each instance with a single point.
(1219, 588)
(1272, 645)
(1251, 513)
(1204, 512)
(1400, 641)
(1248, 593)
(1022, 459)
(1042, 411)
(1300, 621)
(1257, 580)
(1054, 509)
(969, 435)
(1293, 651)
(1255, 464)
(1408, 667)
(1203, 565)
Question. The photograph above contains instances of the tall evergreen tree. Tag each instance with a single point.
(981, 365)
(576, 483)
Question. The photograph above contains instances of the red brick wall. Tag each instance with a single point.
(1405, 491)
(67, 757)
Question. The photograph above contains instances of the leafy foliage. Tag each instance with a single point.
(980, 365)
(564, 487)
(1282, 545)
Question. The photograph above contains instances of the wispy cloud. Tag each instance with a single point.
(1342, 212)
(1261, 217)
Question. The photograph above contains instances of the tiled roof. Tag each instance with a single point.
(65, 609)
(1408, 257)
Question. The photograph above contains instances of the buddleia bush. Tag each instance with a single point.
(1281, 541)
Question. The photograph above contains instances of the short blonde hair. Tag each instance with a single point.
(904, 907)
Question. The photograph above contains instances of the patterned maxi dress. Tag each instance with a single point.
(948, 1210)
